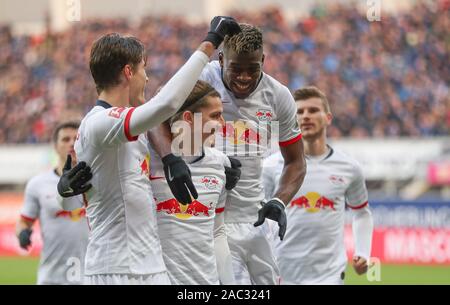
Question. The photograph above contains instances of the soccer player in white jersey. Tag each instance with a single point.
(313, 251)
(193, 238)
(124, 246)
(252, 101)
(64, 234)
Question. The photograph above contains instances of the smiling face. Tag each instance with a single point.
(241, 71)
(212, 119)
(138, 79)
(313, 118)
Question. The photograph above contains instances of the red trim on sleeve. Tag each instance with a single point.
(27, 218)
(359, 206)
(220, 210)
(291, 141)
(127, 126)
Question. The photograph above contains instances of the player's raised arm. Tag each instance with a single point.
(175, 92)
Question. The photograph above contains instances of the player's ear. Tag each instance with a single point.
(329, 118)
(188, 117)
(262, 59)
(128, 71)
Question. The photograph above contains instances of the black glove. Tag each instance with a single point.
(178, 177)
(73, 181)
(233, 173)
(274, 210)
(221, 26)
(25, 238)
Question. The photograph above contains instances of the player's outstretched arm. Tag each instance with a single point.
(171, 97)
(294, 171)
(362, 226)
(291, 179)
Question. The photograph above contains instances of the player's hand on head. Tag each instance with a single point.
(233, 173)
(74, 181)
(25, 238)
(360, 265)
(221, 26)
(179, 178)
(274, 210)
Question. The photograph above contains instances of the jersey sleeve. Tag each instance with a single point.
(31, 206)
(289, 131)
(207, 74)
(109, 127)
(356, 194)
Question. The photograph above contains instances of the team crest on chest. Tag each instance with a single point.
(211, 182)
(337, 180)
(264, 115)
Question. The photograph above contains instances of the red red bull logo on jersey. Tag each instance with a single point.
(313, 202)
(211, 182)
(173, 207)
(74, 215)
(240, 133)
(145, 166)
(337, 180)
(264, 115)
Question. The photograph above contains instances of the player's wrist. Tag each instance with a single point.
(214, 39)
(279, 202)
(170, 159)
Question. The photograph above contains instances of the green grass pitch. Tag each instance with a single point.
(23, 271)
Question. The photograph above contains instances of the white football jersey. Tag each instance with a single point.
(64, 233)
(313, 249)
(268, 115)
(187, 231)
(120, 206)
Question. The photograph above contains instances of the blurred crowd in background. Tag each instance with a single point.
(383, 79)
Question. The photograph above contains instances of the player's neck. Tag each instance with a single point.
(315, 147)
(116, 97)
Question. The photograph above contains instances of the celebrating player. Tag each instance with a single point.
(193, 239)
(124, 246)
(64, 234)
(313, 251)
(252, 102)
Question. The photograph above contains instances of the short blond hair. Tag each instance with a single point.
(310, 92)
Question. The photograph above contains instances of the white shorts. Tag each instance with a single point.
(253, 259)
(160, 278)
